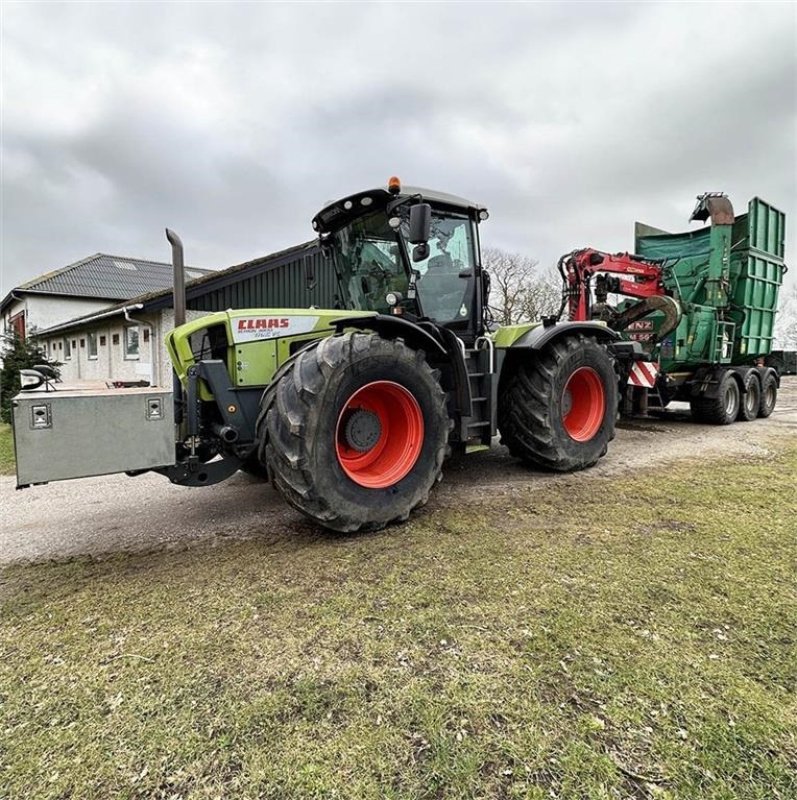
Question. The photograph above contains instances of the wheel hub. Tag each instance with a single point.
(362, 430)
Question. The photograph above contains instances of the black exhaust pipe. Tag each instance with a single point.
(226, 433)
(178, 266)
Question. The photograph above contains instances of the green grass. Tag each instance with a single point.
(599, 639)
(7, 462)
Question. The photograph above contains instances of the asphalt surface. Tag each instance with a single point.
(101, 516)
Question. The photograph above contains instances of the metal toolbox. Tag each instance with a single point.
(75, 434)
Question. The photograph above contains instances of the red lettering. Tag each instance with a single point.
(241, 324)
(284, 323)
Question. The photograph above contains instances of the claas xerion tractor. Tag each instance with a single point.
(351, 412)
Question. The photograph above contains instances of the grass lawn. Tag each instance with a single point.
(601, 639)
(7, 463)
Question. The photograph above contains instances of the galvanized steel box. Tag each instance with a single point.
(75, 434)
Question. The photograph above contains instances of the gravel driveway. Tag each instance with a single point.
(100, 516)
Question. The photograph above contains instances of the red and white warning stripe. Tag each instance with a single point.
(643, 374)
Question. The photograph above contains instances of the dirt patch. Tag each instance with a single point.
(100, 516)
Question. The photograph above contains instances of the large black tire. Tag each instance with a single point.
(302, 418)
(751, 399)
(537, 392)
(722, 409)
(769, 395)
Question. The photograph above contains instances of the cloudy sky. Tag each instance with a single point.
(234, 122)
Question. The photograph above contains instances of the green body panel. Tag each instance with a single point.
(255, 343)
(726, 279)
(507, 335)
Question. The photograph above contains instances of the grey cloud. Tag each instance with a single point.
(233, 123)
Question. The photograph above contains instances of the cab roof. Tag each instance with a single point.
(335, 214)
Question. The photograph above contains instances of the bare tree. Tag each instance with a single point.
(520, 291)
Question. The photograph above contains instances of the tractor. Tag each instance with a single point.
(351, 414)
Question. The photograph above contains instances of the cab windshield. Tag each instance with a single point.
(371, 263)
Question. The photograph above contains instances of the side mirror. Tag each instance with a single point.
(485, 286)
(420, 225)
(309, 272)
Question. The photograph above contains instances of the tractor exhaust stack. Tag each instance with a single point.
(179, 276)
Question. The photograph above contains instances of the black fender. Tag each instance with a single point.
(539, 337)
(445, 350)
(394, 328)
(706, 380)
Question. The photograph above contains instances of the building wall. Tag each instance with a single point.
(45, 311)
(112, 363)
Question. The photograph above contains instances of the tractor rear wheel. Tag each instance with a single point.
(769, 395)
(557, 408)
(355, 431)
(751, 399)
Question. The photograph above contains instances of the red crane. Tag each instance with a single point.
(588, 269)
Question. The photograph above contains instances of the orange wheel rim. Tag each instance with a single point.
(583, 404)
(379, 434)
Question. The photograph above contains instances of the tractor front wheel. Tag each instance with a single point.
(557, 408)
(354, 433)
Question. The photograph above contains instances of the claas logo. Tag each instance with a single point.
(263, 323)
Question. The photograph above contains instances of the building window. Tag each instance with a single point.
(92, 337)
(17, 324)
(82, 343)
(115, 338)
(131, 342)
(67, 350)
(102, 341)
(146, 335)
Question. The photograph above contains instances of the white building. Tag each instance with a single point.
(85, 287)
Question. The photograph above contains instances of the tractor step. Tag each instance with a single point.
(476, 448)
(477, 430)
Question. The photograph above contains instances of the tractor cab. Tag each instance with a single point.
(408, 252)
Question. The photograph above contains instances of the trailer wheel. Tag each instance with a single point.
(557, 410)
(751, 400)
(355, 432)
(769, 395)
(722, 409)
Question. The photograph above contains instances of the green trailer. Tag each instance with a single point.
(700, 305)
(726, 278)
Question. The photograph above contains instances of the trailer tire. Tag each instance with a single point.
(557, 409)
(769, 395)
(751, 399)
(722, 409)
(355, 431)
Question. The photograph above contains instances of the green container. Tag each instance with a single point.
(727, 279)
(756, 274)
